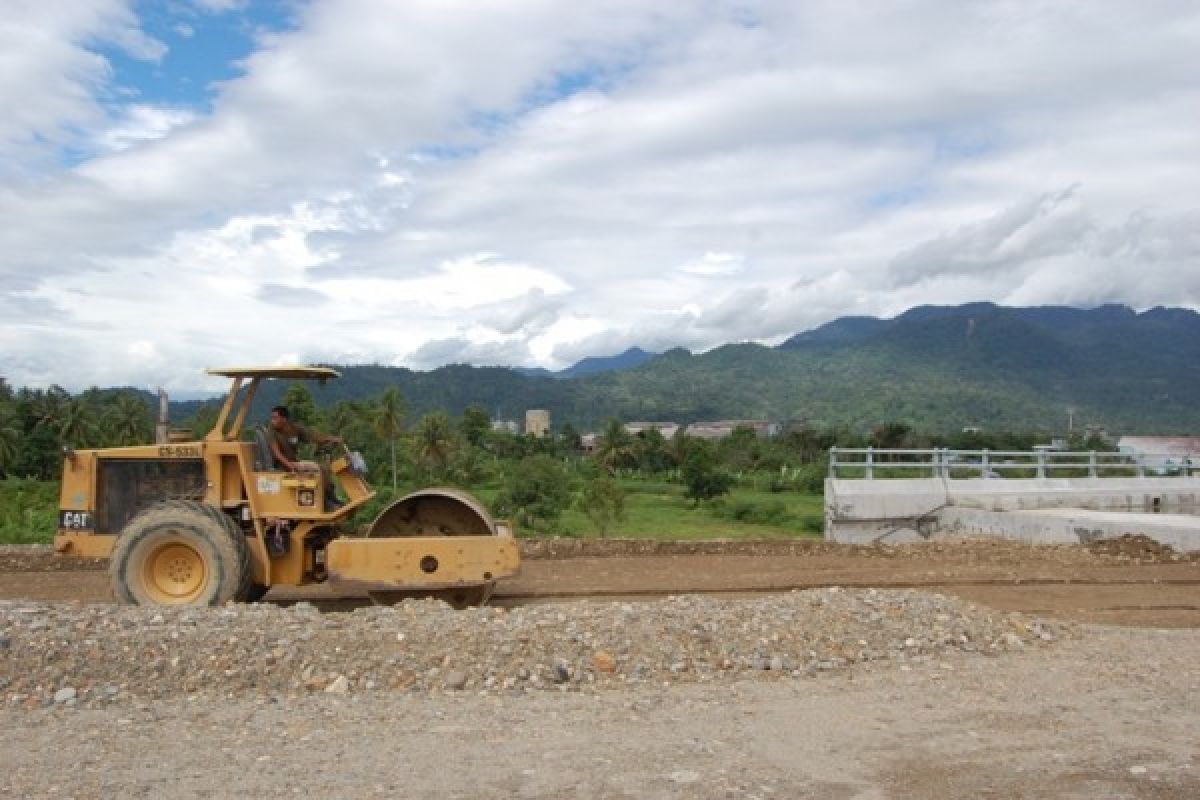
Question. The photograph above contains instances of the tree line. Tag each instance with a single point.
(535, 478)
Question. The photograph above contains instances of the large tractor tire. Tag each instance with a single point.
(181, 553)
(437, 512)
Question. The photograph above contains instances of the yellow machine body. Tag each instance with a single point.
(431, 540)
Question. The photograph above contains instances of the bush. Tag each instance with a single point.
(773, 513)
(703, 478)
(603, 501)
(28, 511)
(811, 477)
(812, 523)
(536, 492)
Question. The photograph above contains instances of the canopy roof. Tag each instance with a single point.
(284, 373)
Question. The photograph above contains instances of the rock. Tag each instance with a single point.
(135, 654)
(603, 661)
(683, 776)
(64, 695)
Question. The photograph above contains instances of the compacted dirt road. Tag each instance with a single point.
(1132, 581)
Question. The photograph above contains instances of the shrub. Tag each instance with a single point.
(28, 511)
(536, 492)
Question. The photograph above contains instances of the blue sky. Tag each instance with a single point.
(203, 48)
(191, 183)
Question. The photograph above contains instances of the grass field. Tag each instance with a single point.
(658, 510)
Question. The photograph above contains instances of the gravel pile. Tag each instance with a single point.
(102, 654)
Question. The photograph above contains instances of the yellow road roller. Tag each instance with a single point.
(209, 521)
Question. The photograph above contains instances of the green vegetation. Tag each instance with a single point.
(743, 486)
(28, 511)
(603, 501)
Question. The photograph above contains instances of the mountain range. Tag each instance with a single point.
(933, 367)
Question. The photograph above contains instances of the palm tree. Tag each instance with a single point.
(10, 439)
(49, 407)
(387, 420)
(344, 415)
(614, 447)
(129, 420)
(77, 426)
(435, 441)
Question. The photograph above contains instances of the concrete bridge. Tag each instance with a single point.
(1038, 496)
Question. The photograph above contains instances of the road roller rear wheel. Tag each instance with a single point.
(180, 553)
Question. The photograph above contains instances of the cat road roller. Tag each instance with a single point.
(204, 522)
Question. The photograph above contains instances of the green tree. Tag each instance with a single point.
(47, 408)
(536, 492)
(742, 449)
(571, 441)
(345, 418)
(435, 443)
(300, 404)
(78, 425)
(651, 451)
(702, 476)
(603, 500)
(387, 420)
(10, 439)
(129, 420)
(614, 447)
(475, 424)
(203, 420)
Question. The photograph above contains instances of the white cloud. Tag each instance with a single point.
(141, 123)
(449, 180)
(714, 264)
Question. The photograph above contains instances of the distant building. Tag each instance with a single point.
(537, 422)
(506, 425)
(723, 428)
(667, 429)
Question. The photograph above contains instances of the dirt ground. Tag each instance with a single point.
(1112, 712)
(1132, 581)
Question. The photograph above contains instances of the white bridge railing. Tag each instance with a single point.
(876, 463)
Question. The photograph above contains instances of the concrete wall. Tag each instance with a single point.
(911, 510)
(1071, 526)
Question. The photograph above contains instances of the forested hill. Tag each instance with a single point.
(931, 367)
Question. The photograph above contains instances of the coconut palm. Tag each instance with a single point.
(615, 447)
(130, 420)
(435, 441)
(387, 420)
(10, 439)
(78, 424)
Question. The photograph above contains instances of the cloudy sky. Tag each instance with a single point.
(192, 183)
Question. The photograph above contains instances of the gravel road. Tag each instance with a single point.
(1106, 712)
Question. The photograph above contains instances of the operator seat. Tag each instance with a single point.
(264, 461)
